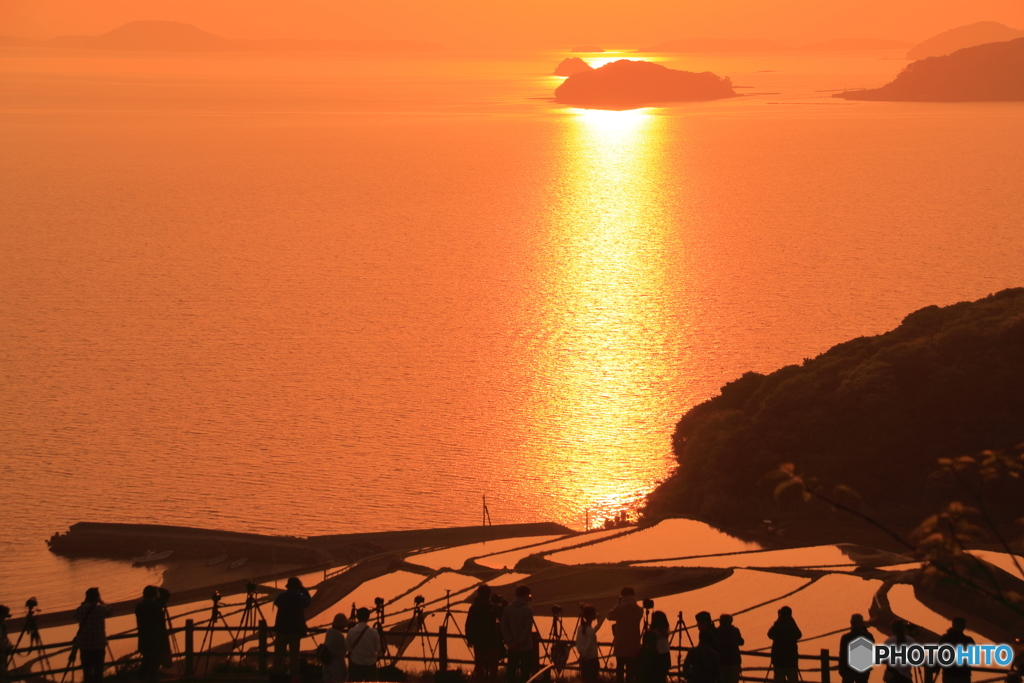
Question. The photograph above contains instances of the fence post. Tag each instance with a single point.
(263, 646)
(442, 648)
(190, 630)
(825, 666)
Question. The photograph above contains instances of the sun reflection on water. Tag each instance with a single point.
(606, 358)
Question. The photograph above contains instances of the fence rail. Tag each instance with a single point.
(187, 659)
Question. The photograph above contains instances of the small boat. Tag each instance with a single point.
(151, 556)
(238, 563)
(216, 560)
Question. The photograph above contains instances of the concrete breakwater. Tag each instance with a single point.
(269, 557)
(125, 541)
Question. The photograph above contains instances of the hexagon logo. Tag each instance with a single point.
(861, 654)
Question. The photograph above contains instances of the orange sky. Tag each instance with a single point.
(519, 22)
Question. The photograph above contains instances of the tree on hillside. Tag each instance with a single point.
(868, 412)
(942, 542)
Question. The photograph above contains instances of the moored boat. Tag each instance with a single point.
(216, 560)
(151, 556)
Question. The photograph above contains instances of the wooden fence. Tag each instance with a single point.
(190, 662)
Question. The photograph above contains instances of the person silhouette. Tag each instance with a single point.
(899, 673)
(626, 617)
(517, 633)
(729, 641)
(92, 617)
(655, 655)
(290, 625)
(785, 658)
(363, 644)
(956, 636)
(151, 624)
(335, 670)
(483, 632)
(586, 645)
(702, 663)
(857, 630)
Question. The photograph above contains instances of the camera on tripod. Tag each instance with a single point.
(215, 598)
(419, 600)
(251, 587)
(556, 610)
(648, 603)
(379, 602)
(31, 603)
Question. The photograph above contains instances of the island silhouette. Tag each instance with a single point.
(626, 84)
(873, 413)
(983, 73)
(958, 38)
(855, 44)
(699, 45)
(570, 66)
(766, 46)
(174, 36)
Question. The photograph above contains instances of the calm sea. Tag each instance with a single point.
(307, 293)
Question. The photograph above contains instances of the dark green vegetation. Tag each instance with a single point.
(985, 73)
(873, 413)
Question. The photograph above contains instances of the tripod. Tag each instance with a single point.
(31, 629)
(444, 624)
(413, 627)
(487, 514)
(559, 650)
(249, 621)
(211, 625)
(681, 628)
(378, 608)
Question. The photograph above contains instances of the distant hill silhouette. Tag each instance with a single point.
(587, 48)
(626, 84)
(872, 413)
(173, 36)
(163, 36)
(964, 36)
(10, 41)
(698, 45)
(570, 66)
(983, 73)
(854, 44)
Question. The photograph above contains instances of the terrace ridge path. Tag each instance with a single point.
(270, 556)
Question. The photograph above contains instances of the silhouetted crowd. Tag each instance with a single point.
(498, 630)
(642, 650)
